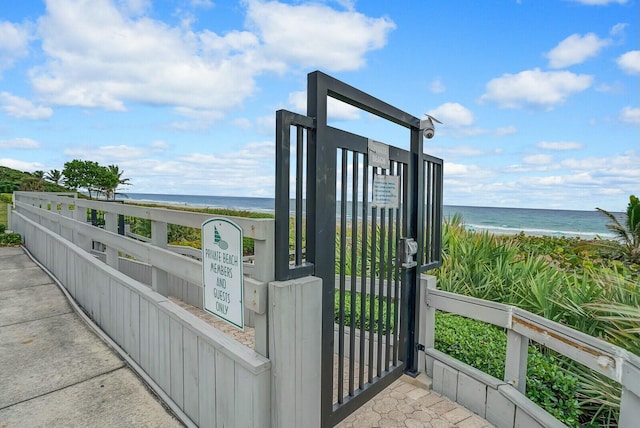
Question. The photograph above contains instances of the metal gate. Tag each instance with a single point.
(355, 212)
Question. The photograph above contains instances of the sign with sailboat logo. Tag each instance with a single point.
(222, 275)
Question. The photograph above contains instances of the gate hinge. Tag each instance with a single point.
(420, 347)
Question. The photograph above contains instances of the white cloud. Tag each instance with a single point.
(453, 114)
(111, 56)
(575, 49)
(437, 87)
(507, 130)
(227, 172)
(538, 159)
(460, 171)
(619, 168)
(22, 165)
(19, 143)
(630, 62)
(199, 119)
(560, 145)
(14, 44)
(159, 145)
(316, 36)
(22, 108)
(618, 29)
(108, 154)
(630, 115)
(105, 59)
(134, 7)
(535, 88)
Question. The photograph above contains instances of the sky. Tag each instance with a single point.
(539, 99)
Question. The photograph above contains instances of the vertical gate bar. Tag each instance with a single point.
(396, 296)
(372, 282)
(429, 173)
(283, 154)
(434, 210)
(381, 277)
(354, 268)
(343, 248)
(390, 264)
(363, 269)
(299, 178)
(426, 198)
(439, 202)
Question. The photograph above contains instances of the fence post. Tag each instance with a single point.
(427, 328)
(80, 214)
(159, 277)
(111, 225)
(295, 341)
(515, 367)
(265, 271)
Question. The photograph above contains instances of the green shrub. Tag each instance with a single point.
(10, 239)
(483, 346)
(2, 228)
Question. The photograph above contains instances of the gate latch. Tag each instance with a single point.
(408, 249)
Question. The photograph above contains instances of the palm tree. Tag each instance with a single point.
(115, 170)
(629, 230)
(54, 176)
(38, 174)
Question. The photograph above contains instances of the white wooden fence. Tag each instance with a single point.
(502, 402)
(209, 378)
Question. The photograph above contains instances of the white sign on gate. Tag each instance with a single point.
(386, 191)
(222, 270)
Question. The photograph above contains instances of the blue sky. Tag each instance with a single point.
(540, 99)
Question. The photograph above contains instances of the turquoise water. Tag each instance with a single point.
(584, 224)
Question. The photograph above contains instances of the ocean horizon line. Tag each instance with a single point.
(496, 220)
(272, 198)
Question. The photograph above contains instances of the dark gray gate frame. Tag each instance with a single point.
(320, 194)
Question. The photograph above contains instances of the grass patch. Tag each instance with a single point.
(484, 346)
(5, 200)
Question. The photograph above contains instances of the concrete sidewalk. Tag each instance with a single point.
(54, 370)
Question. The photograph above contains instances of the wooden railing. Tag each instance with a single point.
(609, 360)
(66, 214)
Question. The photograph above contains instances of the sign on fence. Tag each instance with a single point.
(222, 270)
(386, 191)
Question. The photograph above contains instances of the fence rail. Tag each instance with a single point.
(190, 361)
(66, 215)
(609, 360)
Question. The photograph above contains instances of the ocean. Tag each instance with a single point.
(569, 223)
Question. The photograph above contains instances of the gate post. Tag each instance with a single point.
(295, 332)
(427, 324)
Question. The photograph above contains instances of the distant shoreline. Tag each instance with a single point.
(498, 221)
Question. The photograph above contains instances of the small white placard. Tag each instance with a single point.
(222, 275)
(386, 191)
(378, 154)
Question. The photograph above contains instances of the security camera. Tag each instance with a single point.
(427, 126)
